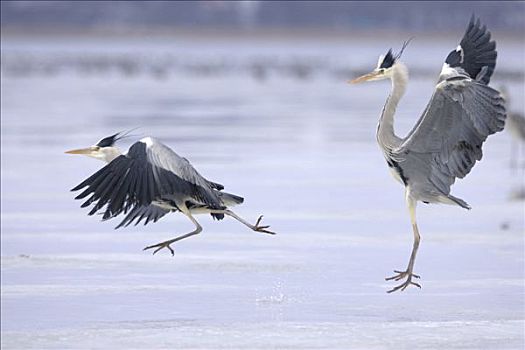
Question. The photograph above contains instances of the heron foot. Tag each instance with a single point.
(400, 275)
(258, 228)
(161, 246)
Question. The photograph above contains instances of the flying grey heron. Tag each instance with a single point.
(446, 140)
(149, 181)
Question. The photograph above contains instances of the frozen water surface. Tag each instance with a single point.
(302, 151)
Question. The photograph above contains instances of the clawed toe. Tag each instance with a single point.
(161, 246)
(266, 231)
(262, 228)
(400, 275)
(405, 273)
(404, 285)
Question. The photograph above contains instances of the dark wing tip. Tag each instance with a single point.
(216, 185)
(77, 187)
(478, 51)
(151, 213)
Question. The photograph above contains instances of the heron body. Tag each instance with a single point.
(447, 139)
(149, 181)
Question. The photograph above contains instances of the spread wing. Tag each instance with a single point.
(151, 212)
(147, 172)
(163, 157)
(462, 112)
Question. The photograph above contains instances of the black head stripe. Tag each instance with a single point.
(454, 59)
(388, 61)
(108, 141)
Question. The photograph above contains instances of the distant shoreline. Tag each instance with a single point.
(274, 34)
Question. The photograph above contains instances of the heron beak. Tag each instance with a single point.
(88, 150)
(370, 76)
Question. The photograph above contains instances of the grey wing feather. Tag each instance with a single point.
(165, 158)
(458, 119)
(150, 212)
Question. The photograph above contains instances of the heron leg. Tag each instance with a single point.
(255, 227)
(166, 244)
(408, 272)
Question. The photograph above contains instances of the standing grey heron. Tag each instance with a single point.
(149, 181)
(446, 140)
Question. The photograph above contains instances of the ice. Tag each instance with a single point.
(302, 151)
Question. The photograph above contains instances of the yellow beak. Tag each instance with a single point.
(365, 77)
(88, 150)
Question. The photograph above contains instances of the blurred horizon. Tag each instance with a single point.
(249, 17)
(205, 38)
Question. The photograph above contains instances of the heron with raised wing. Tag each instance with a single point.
(149, 181)
(447, 139)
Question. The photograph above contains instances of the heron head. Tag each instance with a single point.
(104, 149)
(385, 66)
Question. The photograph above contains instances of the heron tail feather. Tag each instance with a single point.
(230, 199)
(459, 202)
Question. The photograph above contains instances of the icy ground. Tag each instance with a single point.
(302, 151)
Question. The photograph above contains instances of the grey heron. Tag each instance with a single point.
(149, 181)
(446, 141)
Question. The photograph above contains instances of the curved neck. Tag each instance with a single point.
(107, 154)
(386, 137)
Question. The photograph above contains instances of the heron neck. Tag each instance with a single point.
(110, 153)
(386, 137)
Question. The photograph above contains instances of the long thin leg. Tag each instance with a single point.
(255, 227)
(166, 244)
(408, 273)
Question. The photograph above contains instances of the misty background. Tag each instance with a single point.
(273, 37)
(239, 16)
